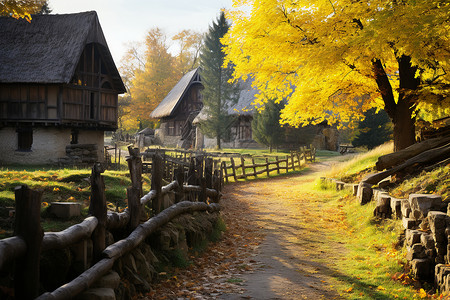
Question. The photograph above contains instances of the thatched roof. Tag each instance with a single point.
(243, 106)
(47, 50)
(174, 97)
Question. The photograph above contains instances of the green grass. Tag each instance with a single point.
(59, 185)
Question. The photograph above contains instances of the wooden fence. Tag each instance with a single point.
(233, 165)
(24, 249)
(266, 164)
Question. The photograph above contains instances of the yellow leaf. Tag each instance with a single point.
(349, 290)
(422, 293)
(380, 288)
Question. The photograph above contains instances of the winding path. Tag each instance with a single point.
(294, 256)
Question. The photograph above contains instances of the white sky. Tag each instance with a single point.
(125, 21)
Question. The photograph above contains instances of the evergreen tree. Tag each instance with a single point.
(218, 93)
(266, 126)
(374, 130)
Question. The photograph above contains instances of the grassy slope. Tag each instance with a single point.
(373, 268)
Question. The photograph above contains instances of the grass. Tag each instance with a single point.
(358, 165)
(63, 185)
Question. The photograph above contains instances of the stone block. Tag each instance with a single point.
(409, 223)
(365, 193)
(423, 203)
(438, 224)
(421, 268)
(97, 294)
(383, 208)
(65, 210)
(111, 281)
(355, 189)
(396, 208)
(415, 251)
(406, 208)
(427, 240)
(412, 237)
(339, 185)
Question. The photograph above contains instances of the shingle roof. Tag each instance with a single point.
(243, 106)
(47, 50)
(171, 101)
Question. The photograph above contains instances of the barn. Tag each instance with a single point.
(59, 89)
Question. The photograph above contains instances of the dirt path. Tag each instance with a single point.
(286, 265)
(276, 245)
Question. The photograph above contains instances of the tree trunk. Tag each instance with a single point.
(404, 129)
(400, 112)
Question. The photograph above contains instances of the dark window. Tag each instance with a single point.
(24, 139)
(91, 104)
(74, 137)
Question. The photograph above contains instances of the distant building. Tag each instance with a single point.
(59, 88)
(177, 111)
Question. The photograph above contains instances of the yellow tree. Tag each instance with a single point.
(150, 71)
(189, 43)
(335, 59)
(21, 8)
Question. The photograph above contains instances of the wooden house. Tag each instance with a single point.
(177, 111)
(59, 88)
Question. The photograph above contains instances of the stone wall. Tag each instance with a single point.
(426, 220)
(80, 154)
(49, 144)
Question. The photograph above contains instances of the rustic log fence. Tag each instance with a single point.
(29, 240)
(234, 165)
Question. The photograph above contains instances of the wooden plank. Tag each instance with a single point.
(267, 167)
(233, 168)
(277, 162)
(254, 167)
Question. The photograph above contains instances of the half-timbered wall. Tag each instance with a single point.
(88, 101)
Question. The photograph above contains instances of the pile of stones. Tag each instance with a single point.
(80, 154)
(426, 220)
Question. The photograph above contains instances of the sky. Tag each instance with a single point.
(127, 21)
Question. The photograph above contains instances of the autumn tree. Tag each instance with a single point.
(218, 93)
(335, 59)
(149, 71)
(21, 8)
(266, 127)
(189, 43)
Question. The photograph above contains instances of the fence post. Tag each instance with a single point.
(243, 167)
(202, 196)
(254, 167)
(299, 160)
(278, 164)
(267, 167)
(224, 170)
(135, 192)
(292, 160)
(233, 167)
(28, 227)
(209, 172)
(97, 208)
(157, 173)
(179, 177)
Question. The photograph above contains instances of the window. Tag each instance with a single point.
(171, 128)
(74, 137)
(24, 139)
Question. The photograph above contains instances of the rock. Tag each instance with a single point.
(365, 193)
(65, 210)
(396, 208)
(412, 237)
(427, 240)
(339, 185)
(143, 266)
(415, 251)
(409, 223)
(423, 203)
(438, 223)
(421, 268)
(383, 208)
(406, 208)
(97, 294)
(111, 280)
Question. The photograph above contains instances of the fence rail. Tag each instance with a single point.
(29, 241)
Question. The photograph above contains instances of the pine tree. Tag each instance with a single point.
(266, 126)
(374, 130)
(218, 93)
